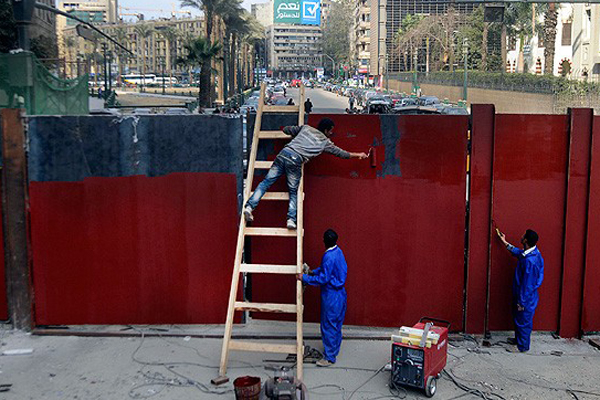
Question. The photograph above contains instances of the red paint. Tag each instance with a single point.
(482, 149)
(590, 321)
(133, 250)
(403, 236)
(3, 294)
(576, 222)
(529, 167)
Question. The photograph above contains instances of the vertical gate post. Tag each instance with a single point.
(15, 203)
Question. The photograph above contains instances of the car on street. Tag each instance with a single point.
(428, 100)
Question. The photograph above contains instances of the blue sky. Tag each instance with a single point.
(167, 5)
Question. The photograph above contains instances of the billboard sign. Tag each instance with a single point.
(305, 12)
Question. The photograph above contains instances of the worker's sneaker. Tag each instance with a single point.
(291, 224)
(514, 349)
(324, 363)
(248, 214)
(512, 340)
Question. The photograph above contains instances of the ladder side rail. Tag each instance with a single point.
(300, 258)
(240, 240)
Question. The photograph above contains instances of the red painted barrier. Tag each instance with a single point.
(590, 321)
(530, 159)
(402, 234)
(133, 250)
(482, 151)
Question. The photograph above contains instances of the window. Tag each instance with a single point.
(368, 33)
(566, 34)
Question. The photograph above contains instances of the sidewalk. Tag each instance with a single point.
(176, 366)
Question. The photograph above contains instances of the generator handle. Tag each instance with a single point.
(443, 321)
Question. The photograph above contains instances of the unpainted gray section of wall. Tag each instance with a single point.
(72, 148)
(390, 136)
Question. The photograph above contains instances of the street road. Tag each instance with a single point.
(324, 102)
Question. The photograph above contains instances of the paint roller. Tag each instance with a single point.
(372, 156)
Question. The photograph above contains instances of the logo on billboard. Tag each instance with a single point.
(311, 12)
(306, 12)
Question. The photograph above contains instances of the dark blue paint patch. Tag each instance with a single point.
(390, 138)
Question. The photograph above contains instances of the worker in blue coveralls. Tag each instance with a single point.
(529, 275)
(331, 277)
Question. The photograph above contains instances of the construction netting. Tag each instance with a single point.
(26, 83)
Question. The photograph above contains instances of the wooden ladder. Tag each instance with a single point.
(240, 267)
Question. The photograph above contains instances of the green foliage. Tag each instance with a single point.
(8, 27)
(44, 47)
(503, 81)
(336, 31)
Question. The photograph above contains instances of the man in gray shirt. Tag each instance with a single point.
(307, 143)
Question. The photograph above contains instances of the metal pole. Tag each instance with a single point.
(163, 77)
(465, 53)
(105, 74)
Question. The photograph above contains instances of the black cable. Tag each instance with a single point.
(367, 381)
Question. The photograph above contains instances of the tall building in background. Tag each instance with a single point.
(294, 36)
(386, 20)
(43, 23)
(92, 11)
(263, 12)
(361, 34)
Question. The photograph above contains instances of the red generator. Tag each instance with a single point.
(419, 354)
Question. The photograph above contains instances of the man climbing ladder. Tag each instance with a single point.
(307, 143)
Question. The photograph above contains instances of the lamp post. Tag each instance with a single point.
(332, 61)
(465, 54)
(162, 64)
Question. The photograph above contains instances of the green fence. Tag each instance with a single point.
(26, 82)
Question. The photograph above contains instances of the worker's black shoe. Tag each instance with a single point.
(248, 214)
(291, 224)
(512, 340)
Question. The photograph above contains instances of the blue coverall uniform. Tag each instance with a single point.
(529, 275)
(331, 277)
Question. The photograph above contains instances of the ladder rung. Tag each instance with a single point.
(269, 268)
(263, 164)
(294, 109)
(273, 135)
(270, 232)
(276, 196)
(264, 347)
(265, 307)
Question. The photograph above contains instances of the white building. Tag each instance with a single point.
(577, 45)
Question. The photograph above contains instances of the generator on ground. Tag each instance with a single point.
(419, 354)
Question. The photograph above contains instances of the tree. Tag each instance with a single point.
(201, 52)
(211, 9)
(170, 35)
(8, 27)
(336, 31)
(550, 22)
(142, 31)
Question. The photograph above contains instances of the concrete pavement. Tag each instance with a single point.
(177, 365)
(324, 102)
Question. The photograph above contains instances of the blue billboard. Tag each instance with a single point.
(305, 12)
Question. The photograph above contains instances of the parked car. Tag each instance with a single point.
(409, 101)
(415, 110)
(428, 100)
(278, 91)
(453, 110)
(177, 111)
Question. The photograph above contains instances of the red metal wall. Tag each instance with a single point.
(133, 250)
(591, 290)
(402, 234)
(529, 167)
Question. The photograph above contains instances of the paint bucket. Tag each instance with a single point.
(247, 388)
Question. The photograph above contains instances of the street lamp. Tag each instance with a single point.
(465, 54)
(332, 61)
(162, 64)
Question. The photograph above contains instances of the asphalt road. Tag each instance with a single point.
(324, 102)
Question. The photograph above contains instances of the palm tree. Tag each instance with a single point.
(201, 52)
(142, 31)
(70, 43)
(211, 9)
(550, 22)
(170, 35)
(120, 34)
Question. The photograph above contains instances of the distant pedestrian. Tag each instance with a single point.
(308, 106)
(290, 102)
(351, 102)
